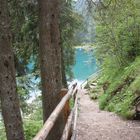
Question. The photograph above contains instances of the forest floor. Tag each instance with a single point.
(94, 124)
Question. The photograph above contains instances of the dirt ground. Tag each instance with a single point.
(94, 124)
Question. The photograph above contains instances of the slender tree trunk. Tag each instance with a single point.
(50, 61)
(8, 96)
(64, 79)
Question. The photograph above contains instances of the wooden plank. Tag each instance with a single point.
(66, 132)
(66, 109)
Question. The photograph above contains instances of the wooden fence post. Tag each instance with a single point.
(66, 110)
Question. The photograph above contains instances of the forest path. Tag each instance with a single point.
(94, 124)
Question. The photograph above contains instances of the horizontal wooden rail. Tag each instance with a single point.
(43, 133)
(72, 120)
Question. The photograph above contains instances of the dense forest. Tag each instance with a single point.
(26, 28)
(37, 54)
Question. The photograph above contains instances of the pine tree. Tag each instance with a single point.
(8, 96)
(50, 61)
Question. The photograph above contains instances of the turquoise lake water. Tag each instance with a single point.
(85, 64)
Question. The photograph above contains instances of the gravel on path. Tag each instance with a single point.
(94, 124)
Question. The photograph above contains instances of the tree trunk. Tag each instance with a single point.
(8, 96)
(50, 61)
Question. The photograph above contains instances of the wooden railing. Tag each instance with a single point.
(71, 121)
(70, 125)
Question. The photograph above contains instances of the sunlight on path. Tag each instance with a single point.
(94, 124)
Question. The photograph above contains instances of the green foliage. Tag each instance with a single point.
(71, 102)
(31, 128)
(122, 90)
(33, 121)
(25, 43)
(35, 109)
(24, 25)
(23, 88)
(2, 131)
(122, 104)
(117, 28)
(103, 101)
(70, 22)
(24, 16)
(118, 51)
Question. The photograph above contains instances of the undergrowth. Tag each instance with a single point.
(121, 88)
(31, 128)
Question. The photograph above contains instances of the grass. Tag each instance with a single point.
(31, 128)
(123, 88)
(71, 103)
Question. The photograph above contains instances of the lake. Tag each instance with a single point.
(85, 64)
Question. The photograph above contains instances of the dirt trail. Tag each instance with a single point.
(94, 124)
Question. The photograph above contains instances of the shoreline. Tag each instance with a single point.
(85, 47)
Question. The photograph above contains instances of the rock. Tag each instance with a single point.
(92, 87)
(94, 84)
